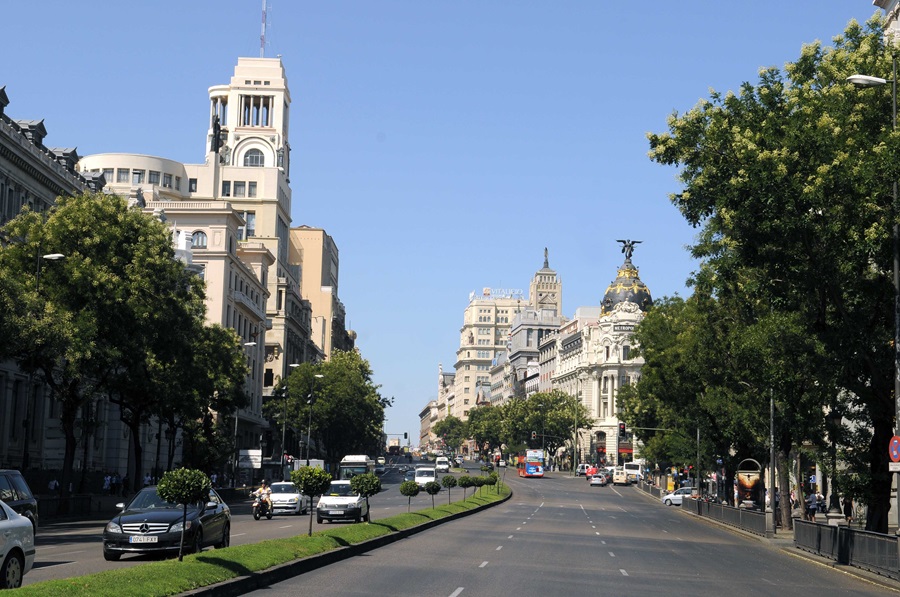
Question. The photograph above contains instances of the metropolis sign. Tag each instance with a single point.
(487, 292)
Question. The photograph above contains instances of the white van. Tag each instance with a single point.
(425, 475)
(442, 464)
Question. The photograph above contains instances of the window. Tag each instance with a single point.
(226, 188)
(199, 239)
(167, 181)
(192, 185)
(240, 188)
(177, 183)
(122, 174)
(251, 189)
(254, 159)
(154, 177)
(626, 353)
(137, 177)
(248, 230)
(108, 175)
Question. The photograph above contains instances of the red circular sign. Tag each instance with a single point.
(894, 449)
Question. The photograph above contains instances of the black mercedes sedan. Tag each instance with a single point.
(151, 525)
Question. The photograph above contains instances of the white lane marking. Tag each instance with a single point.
(596, 532)
(664, 531)
(286, 526)
(603, 543)
(483, 564)
(518, 528)
(623, 572)
(593, 526)
(237, 534)
(612, 555)
(510, 537)
(499, 547)
(456, 592)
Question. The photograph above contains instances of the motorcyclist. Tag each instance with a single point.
(264, 493)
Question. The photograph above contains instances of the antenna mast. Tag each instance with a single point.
(262, 37)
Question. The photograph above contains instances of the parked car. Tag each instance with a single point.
(341, 503)
(676, 497)
(149, 524)
(287, 499)
(18, 496)
(424, 475)
(16, 547)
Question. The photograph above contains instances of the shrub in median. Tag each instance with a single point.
(449, 481)
(432, 488)
(184, 486)
(311, 481)
(410, 489)
(465, 481)
(366, 485)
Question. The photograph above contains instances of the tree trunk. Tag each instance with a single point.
(783, 462)
(135, 428)
(877, 517)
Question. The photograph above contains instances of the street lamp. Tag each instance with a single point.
(284, 424)
(234, 465)
(32, 403)
(309, 426)
(869, 81)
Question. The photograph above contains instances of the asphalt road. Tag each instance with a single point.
(75, 548)
(559, 536)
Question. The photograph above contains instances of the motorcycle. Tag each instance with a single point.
(260, 508)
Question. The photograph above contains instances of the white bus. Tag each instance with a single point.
(358, 464)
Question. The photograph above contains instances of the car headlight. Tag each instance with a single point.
(178, 525)
(112, 527)
(293, 500)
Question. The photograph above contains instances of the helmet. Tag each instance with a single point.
(263, 482)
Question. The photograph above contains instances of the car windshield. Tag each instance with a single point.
(147, 499)
(340, 490)
(424, 473)
(284, 488)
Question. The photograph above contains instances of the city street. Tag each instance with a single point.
(559, 536)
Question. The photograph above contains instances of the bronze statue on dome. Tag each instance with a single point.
(628, 247)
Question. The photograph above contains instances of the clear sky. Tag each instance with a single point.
(442, 144)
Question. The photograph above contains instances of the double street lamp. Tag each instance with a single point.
(870, 81)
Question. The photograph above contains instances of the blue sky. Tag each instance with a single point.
(442, 144)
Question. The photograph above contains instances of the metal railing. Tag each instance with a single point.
(875, 552)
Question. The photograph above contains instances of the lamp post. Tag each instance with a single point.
(309, 425)
(30, 401)
(234, 466)
(869, 81)
(284, 425)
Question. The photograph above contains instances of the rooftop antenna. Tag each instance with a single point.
(262, 36)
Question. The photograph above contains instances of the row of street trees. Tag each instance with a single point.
(117, 317)
(337, 402)
(551, 417)
(789, 183)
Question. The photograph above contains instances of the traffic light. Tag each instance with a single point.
(621, 428)
(534, 435)
(405, 435)
(217, 141)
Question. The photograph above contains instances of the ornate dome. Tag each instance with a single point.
(626, 287)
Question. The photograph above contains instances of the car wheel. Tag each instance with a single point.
(197, 547)
(111, 556)
(319, 519)
(668, 502)
(11, 573)
(226, 537)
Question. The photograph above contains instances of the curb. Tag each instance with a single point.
(257, 580)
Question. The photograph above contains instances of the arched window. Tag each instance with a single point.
(254, 158)
(199, 239)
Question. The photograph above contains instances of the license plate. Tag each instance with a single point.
(335, 511)
(143, 539)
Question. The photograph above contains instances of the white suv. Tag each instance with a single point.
(340, 503)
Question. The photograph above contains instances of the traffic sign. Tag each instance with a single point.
(894, 449)
(894, 467)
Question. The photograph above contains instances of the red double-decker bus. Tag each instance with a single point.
(531, 465)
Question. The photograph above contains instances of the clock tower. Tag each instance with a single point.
(545, 292)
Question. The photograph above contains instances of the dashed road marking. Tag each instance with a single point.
(456, 592)
(499, 547)
(612, 555)
(623, 572)
(483, 564)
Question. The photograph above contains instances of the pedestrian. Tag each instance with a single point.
(213, 478)
(848, 509)
(107, 484)
(147, 480)
(811, 506)
(53, 485)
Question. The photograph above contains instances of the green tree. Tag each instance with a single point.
(492, 479)
(185, 486)
(793, 200)
(452, 431)
(347, 410)
(410, 489)
(448, 481)
(366, 485)
(313, 482)
(485, 426)
(465, 481)
(432, 488)
(479, 482)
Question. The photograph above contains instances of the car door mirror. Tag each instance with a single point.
(120, 505)
(211, 505)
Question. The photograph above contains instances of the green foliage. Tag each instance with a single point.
(449, 482)
(366, 485)
(310, 480)
(465, 481)
(184, 486)
(410, 489)
(432, 488)
(789, 182)
(452, 431)
(551, 415)
(492, 479)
